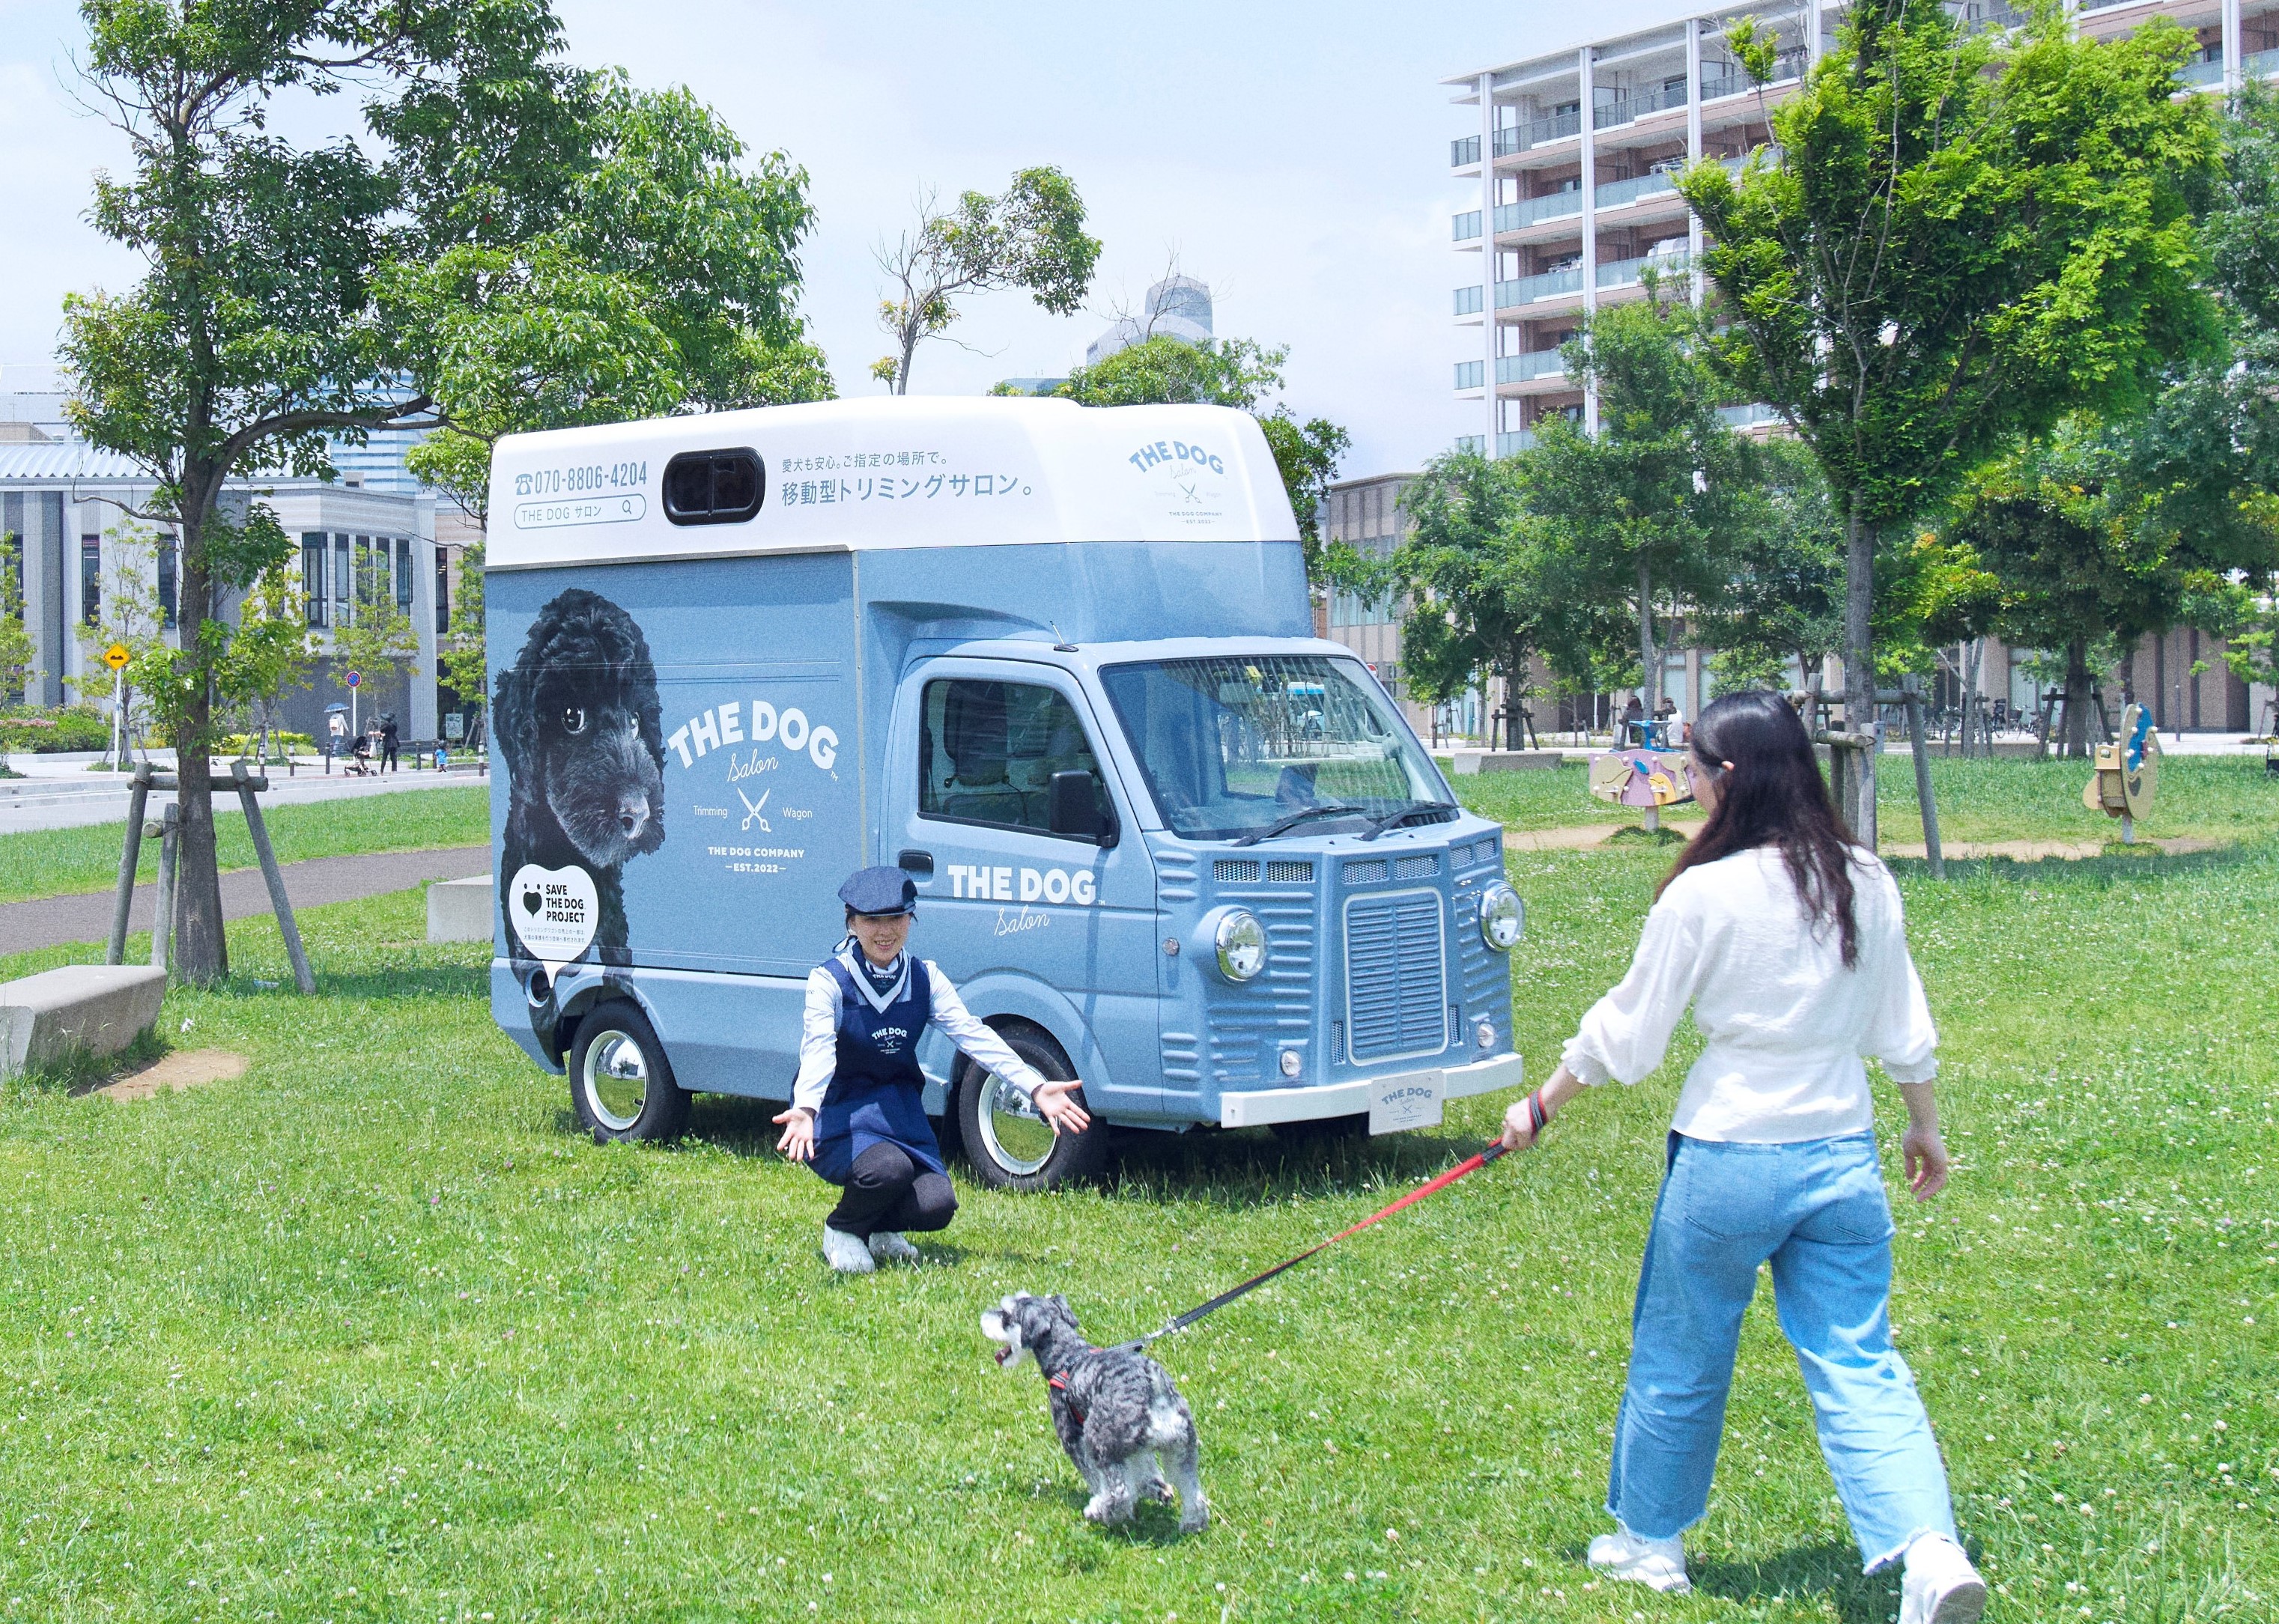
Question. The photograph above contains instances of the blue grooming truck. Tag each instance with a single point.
(1057, 664)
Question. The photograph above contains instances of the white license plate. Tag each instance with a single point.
(1411, 1099)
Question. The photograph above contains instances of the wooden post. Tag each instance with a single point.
(138, 799)
(279, 902)
(1922, 784)
(161, 922)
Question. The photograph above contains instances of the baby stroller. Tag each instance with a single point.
(359, 761)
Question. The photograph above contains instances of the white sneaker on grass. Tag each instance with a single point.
(1941, 1586)
(847, 1253)
(1658, 1564)
(889, 1246)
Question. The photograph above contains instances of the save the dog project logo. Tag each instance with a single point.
(555, 912)
(755, 739)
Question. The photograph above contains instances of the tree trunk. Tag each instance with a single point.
(1860, 669)
(201, 953)
(2076, 734)
(1649, 656)
(1514, 726)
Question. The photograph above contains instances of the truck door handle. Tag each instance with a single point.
(918, 864)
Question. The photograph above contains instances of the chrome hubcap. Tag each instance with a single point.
(1019, 1139)
(616, 1080)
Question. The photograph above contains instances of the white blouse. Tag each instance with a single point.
(1786, 1025)
(818, 1037)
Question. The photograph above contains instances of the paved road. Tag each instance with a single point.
(50, 922)
(58, 800)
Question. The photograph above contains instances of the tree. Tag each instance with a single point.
(2083, 562)
(460, 656)
(1961, 238)
(1031, 236)
(1490, 586)
(254, 332)
(130, 614)
(271, 650)
(379, 635)
(1164, 371)
(1645, 507)
(19, 654)
(1783, 599)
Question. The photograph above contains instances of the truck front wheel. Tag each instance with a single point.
(1011, 1146)
(620, 1084)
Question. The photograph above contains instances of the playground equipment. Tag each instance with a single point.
(1647, 779)
(2127, 773)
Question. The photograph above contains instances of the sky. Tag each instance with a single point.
(1292, 154)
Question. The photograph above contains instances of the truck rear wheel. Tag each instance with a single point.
(1010, 1146)
(621, 1085)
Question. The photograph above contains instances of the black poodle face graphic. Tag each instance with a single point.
(580, 720)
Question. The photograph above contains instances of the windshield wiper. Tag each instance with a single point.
(1282, 825)
(1411, 810)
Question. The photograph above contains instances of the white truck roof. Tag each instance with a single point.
(894, 472)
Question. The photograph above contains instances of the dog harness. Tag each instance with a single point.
(877, 1093)
(1059, 1383)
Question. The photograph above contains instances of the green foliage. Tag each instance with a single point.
(1031, 236)
(1961, 237)
(128, 613)
(460, 654)
(18, 651)
(1783, 598)
(54, 729)
(1237, 373)
(1646, 508)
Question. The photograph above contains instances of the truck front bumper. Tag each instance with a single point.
(1257, 1107)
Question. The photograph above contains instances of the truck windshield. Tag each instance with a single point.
(1232, 745)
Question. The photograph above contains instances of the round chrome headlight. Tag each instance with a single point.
(1241, 941)
(1502, 917)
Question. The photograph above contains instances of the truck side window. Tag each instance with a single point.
(987, 752)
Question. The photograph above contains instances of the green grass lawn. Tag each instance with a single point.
(2209, 797)
(49, 862)
(369, 1334)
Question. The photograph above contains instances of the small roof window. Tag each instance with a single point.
(714, 487)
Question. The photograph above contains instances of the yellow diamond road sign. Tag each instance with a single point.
(116, 656)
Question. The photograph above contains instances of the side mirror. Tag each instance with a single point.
(1073, 806)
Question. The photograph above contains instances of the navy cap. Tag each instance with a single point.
(879, 891)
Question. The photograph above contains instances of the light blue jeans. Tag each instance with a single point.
(1816, 1211)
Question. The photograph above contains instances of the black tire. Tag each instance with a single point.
(621, 1084)
(1009, 1150)
(1321, 1129)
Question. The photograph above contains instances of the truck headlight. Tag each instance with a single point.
(1502, 917)
(1241, 942)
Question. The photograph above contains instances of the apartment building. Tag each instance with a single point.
(1575, 156)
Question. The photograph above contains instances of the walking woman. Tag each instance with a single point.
(1787, 941)
(857, 1112)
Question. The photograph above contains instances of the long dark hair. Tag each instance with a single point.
(1773, 795)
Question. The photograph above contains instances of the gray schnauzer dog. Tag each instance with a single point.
(1114, 1409)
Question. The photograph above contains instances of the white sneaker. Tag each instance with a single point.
(1658, 1564)
(887, 1246)
(1941, 1586)
(846, 1253)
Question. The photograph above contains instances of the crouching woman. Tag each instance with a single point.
(858, 1113)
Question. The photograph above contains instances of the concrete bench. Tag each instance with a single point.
(1469, 762)
(460, 910)
(98, 1008)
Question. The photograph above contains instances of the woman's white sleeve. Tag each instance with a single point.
(1900, 1031)
(1626, 1033)
(819, 1041)
(979, 1042)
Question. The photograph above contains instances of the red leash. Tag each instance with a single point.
(1469, 1164)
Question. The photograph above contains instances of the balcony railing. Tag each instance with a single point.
(1515, 439)
(1529, 365)
(2260, 64)
(2207, 71)
(1980, 15)
(1528, 290)
(1472, 443)
(1654, 183)
(1533, 211)
(1623, 272)
(1468, 226)
(1467, 301)
(1788, 65)
(1638, 104)
(1463, 150)
(1468, 374)
(1748, 416)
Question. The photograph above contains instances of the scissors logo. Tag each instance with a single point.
(752, 810)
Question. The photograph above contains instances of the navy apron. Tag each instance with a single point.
(877, 1093)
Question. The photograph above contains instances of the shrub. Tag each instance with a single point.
(45, 731)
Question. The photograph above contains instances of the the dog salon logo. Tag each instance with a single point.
(725, 725)
(1190, 479)
(890, 1040)
(980, 883)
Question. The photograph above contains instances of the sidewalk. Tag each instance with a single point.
(51, 921)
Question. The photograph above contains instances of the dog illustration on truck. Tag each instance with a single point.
(1056, 662)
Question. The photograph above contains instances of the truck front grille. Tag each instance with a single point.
(1395, 975)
